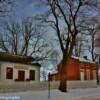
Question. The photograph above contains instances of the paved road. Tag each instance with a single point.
(76, 94)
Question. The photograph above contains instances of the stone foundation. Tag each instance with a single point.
(26, 86)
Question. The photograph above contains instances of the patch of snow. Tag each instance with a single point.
(83, 59)
(54, 72)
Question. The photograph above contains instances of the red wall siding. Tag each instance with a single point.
(73, 70)
(91, 72)
(84, 72)
(97, 73)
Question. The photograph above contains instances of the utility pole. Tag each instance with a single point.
(49, 85)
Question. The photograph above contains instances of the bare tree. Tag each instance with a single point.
(91, 32)
(6, 7)
(43, 74)
(80, 47)
(25, 38)
(97, 43)
(70, 13)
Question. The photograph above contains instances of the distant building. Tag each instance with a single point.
(18, 68)
(78, 69)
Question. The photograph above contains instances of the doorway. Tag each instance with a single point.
(82, 76)
(21, 75)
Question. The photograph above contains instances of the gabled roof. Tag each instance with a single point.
(83, 60)
(15, 58)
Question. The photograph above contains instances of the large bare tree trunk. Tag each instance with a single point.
(65, 62)
(63, 82)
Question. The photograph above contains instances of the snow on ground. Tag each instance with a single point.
(76, 94)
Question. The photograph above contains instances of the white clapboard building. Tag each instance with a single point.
(18, 68)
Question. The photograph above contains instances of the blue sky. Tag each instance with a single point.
(23, 8)
(26, 8)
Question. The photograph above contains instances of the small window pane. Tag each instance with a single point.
(9, 73)
(32, 74)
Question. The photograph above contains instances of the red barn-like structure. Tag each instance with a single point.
(78, 69)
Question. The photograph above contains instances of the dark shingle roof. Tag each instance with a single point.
(15, 58)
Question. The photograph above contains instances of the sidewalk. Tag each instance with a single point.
(76, 94)
(96, 97)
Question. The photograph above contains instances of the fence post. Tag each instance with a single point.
(49, 86)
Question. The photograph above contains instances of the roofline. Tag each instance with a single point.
(84, 60)
(15, 58)
(32, 64)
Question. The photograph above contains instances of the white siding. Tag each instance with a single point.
(4, 65)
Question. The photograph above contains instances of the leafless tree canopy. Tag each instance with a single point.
(25, 38)
(67, 17)
(6, 7)
(91, 30)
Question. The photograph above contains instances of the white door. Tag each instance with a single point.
(82, 76)
(94, 75)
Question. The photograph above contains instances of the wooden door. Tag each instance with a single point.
(21, 75)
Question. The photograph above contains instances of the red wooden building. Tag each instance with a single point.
(78, 69)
